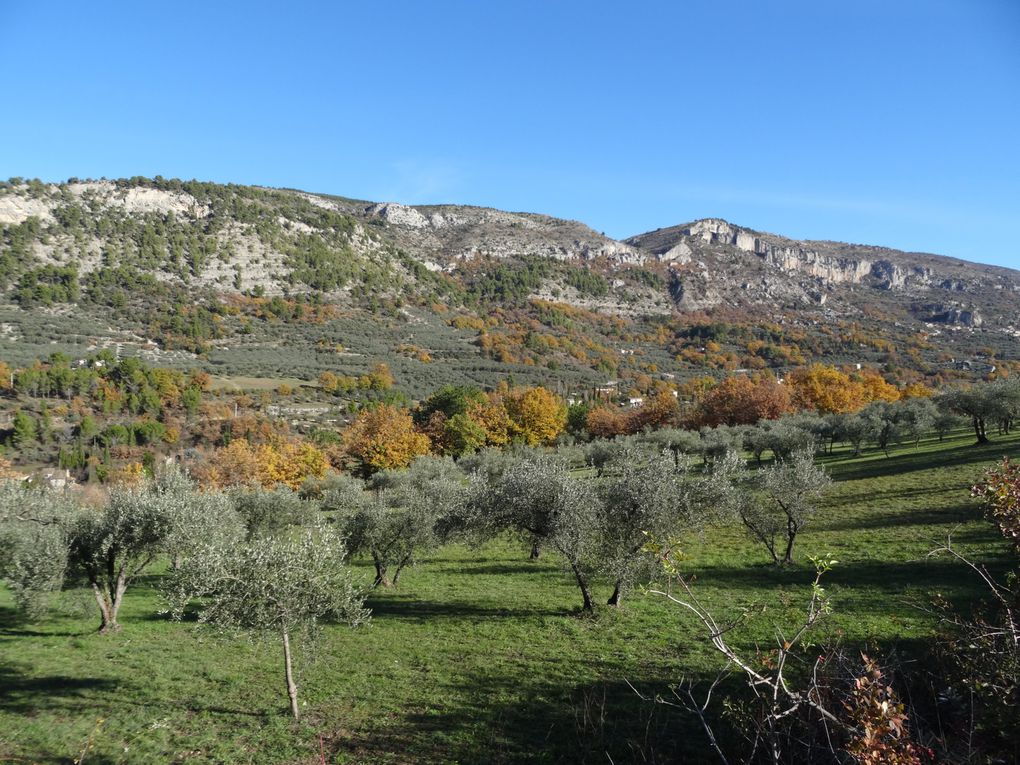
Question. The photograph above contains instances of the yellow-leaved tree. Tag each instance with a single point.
(279, 461)
(826, 390)
(876, 388)
(384, 437)
(537, 416)
(491, 416)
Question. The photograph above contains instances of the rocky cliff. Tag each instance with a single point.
(241, 238)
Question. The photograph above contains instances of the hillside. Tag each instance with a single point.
(262, 282)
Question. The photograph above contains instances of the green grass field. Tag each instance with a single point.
(480, 656)
(240, 383)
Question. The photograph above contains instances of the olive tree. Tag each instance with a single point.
(979, 404)
(852, 429)
(645, 497)
(489, 463)
(407, 513)
(537, 498)
(678, 442)
(271, 511)
(719, 441)
(600, 452)
(198, 516)
(786, 500)
(781, 437)
(279, 586)
(917, 416)
(883, 424)
(110, 546)
(946, 422)
(33, 543)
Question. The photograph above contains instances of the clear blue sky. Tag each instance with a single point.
(889, 122)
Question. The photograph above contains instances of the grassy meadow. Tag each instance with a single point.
(480, 656)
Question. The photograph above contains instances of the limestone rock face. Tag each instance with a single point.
(398, 215)
(680, 254)
(751, 268)
(692, 290)
(17, 209)
(951, 313)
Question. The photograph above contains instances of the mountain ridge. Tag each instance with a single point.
(136, 255)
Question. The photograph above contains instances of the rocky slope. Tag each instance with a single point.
(259, 238)
(714, 262)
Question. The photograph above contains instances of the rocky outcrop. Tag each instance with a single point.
(785, 256)
(680, 254)
(18, 209)
(692, 290)
(398, 215)
(953, 314)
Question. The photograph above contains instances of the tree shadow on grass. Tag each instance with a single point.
(885, 581)
(506, 719)
(523, 568)
(875, 519)
(540, 718)
(15, 624)
(23, 692)
(908, 462)
(406, 607)
(915, 494)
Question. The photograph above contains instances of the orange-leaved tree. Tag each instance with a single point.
(742, 400)
(659, 410)
(606, 422)
(384, 437)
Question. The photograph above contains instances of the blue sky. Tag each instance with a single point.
(894, 123)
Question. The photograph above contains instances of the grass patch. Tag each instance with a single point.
(480, 655)
(240, 383)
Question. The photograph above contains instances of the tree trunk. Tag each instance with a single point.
(616, 599)
(107, 623)
(291, 687)
(791, 537)
(381, 577)
(979, 430)
(536, 551)
(109, 604)
(582, 583)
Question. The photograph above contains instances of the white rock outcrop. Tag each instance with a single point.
(17, 209)
(399, 215)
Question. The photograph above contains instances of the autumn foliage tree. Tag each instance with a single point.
(875, 387)
(829, 391)
(491, 416)
(658, 411)
(606, 422)
(742, 401)
(537, 416)
(383, 438)
(279, 461)
(1000, 491)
